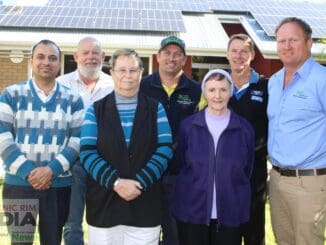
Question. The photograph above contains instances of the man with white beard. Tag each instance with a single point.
(91, 84)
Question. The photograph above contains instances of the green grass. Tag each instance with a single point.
(270, 239)
(4, 238)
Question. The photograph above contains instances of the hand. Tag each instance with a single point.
(128, 189)
(40, 178)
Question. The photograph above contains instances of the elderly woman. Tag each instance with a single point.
(215, 152)
(125, 147)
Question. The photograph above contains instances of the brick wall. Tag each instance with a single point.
(11, 73)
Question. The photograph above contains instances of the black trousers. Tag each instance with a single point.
(193, 234)
(169, 226)
(253, 231)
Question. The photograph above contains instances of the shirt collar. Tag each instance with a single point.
(305, 69)
(38, 90)
(199, 119)
(302, 72)
(254, 78)
(183, 81)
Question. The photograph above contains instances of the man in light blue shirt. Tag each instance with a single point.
(297, 139)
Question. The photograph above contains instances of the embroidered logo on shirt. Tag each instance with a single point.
(300, 94)
(184, 99)
(257, 92)
(257, 95)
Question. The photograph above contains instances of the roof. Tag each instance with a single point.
(205, 36)
(141, 24)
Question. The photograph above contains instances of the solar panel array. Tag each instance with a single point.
(314, 13)
(157, 15)
(154, 15)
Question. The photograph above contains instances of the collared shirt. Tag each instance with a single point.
(297, 118)
(43, 97)
(254, 77)
(73, 81)
(169, 91)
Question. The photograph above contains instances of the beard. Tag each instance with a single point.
(91, 72)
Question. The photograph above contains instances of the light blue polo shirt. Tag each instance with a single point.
(297, 118)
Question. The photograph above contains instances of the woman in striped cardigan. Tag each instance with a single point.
(125, 147)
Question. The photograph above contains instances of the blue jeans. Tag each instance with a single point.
(73, 231)
(53, 211)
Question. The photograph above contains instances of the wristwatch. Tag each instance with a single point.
(116, 182)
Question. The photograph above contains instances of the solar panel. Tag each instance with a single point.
(148, 15)
(314, 13)
(192, 6)
(228, 5)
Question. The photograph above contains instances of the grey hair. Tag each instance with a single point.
(90, 38)
(125, 52)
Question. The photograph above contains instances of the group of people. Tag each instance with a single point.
(163, 157)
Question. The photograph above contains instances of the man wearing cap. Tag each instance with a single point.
(180, 97)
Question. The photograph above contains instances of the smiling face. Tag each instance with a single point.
(89, 58)
(171, 59)
(240, 55)
(126, 75)
(217, 93)
(293, 46)
(45, 63)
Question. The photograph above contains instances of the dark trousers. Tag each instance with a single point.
(194, 234)
(169, 226)
(53, 208)
(253, 231)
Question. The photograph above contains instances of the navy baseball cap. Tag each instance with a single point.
(173, 40)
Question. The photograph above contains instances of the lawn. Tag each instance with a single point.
(4, 239)
(270, 239)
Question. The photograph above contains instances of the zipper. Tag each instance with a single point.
(211, 186)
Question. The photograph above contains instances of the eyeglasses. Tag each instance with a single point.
(123, 71)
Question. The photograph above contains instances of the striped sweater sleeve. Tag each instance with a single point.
(158, 163)
(14, 160)
(70, 153)
(102, 172)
